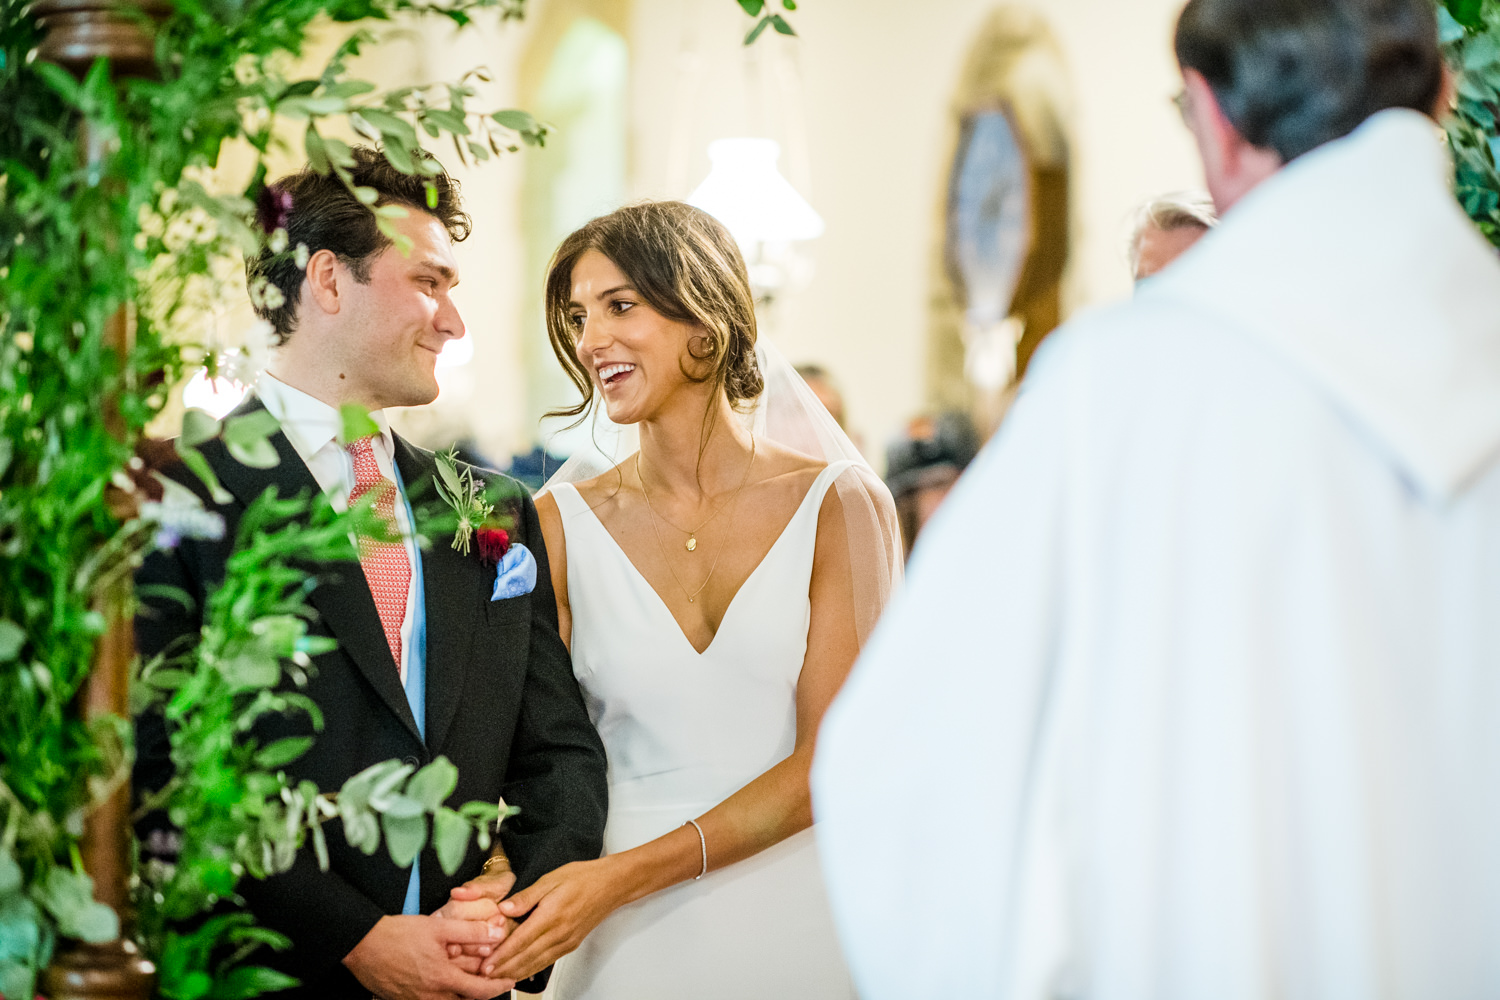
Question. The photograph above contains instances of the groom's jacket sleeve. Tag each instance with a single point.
(172, 587)
(557, 767)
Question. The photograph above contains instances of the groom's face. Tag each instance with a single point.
(394, 326)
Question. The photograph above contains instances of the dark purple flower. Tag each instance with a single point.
(273, 208)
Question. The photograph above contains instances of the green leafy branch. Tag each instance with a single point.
(762, 9)
(1469, 31)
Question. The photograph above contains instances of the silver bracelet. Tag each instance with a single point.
(703, 844)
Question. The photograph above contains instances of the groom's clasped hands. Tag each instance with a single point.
(516, 951)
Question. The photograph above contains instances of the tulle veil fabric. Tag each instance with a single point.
(788, 413)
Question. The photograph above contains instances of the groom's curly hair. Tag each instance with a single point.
(687, 267)
(320, 212)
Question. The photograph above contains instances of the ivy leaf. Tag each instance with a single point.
(12, 637)
(356, 423)
(781, 25)
(405, 836)
(432, 785)
(450, 838)
(282, 752)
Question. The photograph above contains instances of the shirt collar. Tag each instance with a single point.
(309, 423)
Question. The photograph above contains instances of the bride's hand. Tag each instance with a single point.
(564, 906)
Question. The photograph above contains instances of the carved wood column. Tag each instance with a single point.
(77, 33)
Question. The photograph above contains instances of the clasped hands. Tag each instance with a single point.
(561, 908)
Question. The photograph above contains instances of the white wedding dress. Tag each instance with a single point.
(683, 731)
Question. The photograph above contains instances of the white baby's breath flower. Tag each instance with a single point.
(180, 233)
(259, 340)
(257, 292)
(246, 71)
(167, 201)
(273, 297)
(277, 242)
(140, 241)
(150, 222)
(300, 256)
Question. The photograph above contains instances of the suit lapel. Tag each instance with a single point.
(342, 597)
(453, 586)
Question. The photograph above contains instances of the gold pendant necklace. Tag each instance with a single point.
(692, 542)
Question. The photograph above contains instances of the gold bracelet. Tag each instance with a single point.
(485, 868)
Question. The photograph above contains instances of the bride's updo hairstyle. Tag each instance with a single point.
(686, 266)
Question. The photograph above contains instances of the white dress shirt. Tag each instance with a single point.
(312, 427)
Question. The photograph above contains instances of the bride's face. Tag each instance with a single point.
(634, 354)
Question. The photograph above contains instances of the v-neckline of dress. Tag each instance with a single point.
(729, 608)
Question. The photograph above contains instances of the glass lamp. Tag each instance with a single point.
(746, 192)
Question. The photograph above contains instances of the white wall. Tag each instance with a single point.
(877, 77)
(861, 103)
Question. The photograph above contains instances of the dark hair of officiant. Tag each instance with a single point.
(319, 212)
(924, 463)
(1291, 75)
(688, 268)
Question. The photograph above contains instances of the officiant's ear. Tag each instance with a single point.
(1231, 165)
(1447, 97)
(324, 274)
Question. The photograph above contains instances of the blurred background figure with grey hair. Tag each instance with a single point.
(1165, 228)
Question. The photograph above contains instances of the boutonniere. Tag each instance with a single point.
(493, 544)
(465, 494)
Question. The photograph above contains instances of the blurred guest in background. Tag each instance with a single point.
(821, 383)
(1165, 228)
(1194, 690)
(923, 464)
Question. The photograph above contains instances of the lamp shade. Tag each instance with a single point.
(746, 192)
(217, 395)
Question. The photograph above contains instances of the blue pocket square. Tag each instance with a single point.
(516, 573)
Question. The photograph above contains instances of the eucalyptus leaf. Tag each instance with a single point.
(248, 981)
(516, 121)
(282, 752)
(198, 426)
(392, 125)
(432, 785)
(12, 638)
(450, 838)
(398, 157)
(405, 836)
(385, 787)
(10, 875)
(399, 805)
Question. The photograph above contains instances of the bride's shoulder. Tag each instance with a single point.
(787, 464)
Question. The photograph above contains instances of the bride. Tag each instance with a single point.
(714, 587)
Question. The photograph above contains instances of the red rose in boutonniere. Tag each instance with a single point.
(493, 544)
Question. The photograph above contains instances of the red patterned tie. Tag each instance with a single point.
(386, 566)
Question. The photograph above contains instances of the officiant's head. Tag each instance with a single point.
(1268, 80)
(357, 317)
(651, 308)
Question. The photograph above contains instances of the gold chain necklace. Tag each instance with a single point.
(692, 542)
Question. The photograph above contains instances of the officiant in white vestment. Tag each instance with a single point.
(1194, 691)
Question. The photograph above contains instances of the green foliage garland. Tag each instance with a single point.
(1470, 35)
(104, 205)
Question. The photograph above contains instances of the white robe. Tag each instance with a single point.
(1194, 690)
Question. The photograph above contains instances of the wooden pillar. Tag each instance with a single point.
(77, 33)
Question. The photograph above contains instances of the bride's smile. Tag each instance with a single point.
(638, 358)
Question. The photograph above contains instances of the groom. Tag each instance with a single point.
(428, 663)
